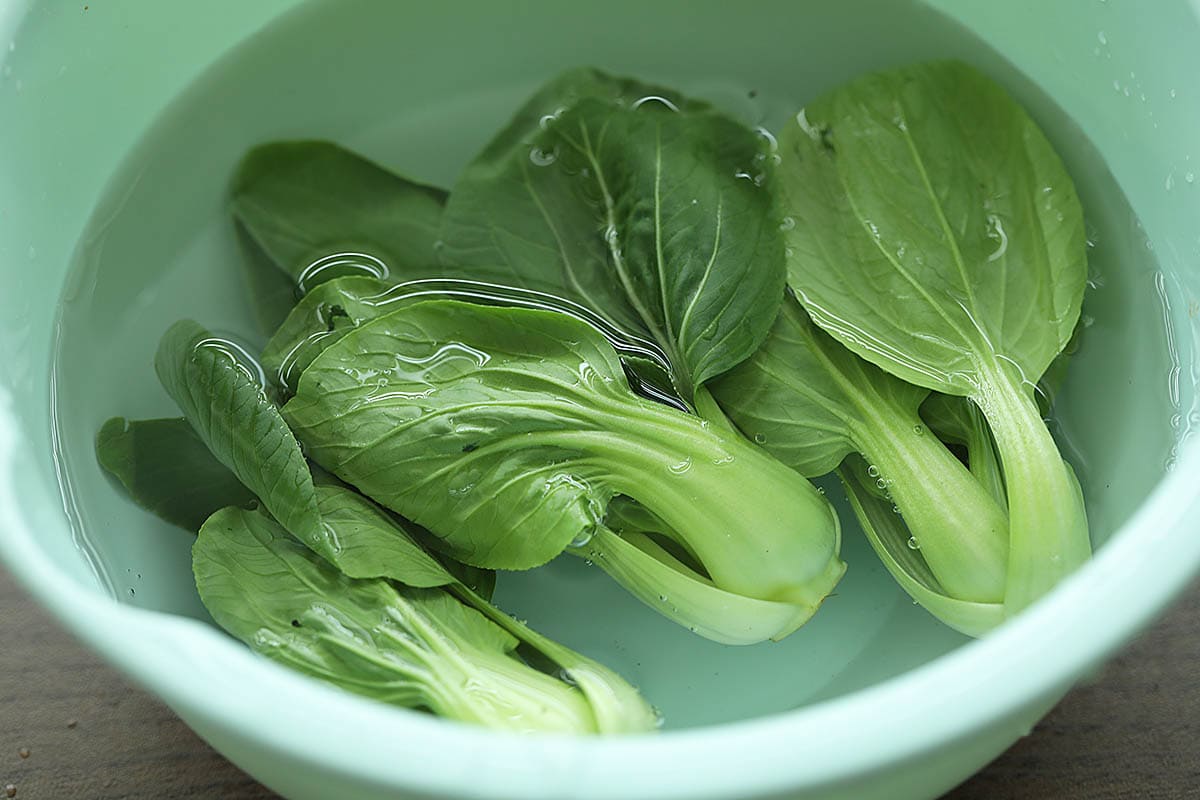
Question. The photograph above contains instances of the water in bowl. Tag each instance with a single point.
(160, 247)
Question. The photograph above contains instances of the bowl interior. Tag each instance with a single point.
(420, 94)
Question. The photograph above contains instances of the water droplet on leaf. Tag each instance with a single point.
(542, 158)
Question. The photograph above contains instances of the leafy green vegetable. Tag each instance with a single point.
(336, 307)
(324, 315)
(507, 431)
(622, 252)
(366, 542)
(375, 544)
(674, 589)
(320, 211)
(633, 202)
(222, 396)
(889, 537)
(558, 250)
(416, 647)
(959, 421)
(811, 402)
(167, 470)
(938, 236)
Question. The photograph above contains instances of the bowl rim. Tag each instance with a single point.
(1033, 657)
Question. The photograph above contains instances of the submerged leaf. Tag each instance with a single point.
(936, 228)
(507, 431)
(890, 538)
(416, 413)
(648, 211)
(959, 421)
(363, 541)
(414, 647)
(320, 211)
(324, 315)
(678, 592)
(216, 387)
(167, 470)
(811, 402)
(939, 236)
(372, 543)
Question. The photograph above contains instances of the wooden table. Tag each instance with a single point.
(70, 727)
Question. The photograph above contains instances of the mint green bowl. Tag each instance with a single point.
(119, 123)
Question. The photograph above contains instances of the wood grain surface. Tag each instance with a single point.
(71, 727)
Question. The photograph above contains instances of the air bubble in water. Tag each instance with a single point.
(913, 544)
(873, 471)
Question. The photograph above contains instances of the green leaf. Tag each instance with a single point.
(616, 705)
(324, 315)
(646, 210)
(953, 419)
(414, 412)
(959, 421)
(336, 307)
(811, 402)
(221, 395)
(889, 537)
(376, 523)
(938, 236)
(936, 229)
(167, 470)
(498, 226)
(420, 648)
(643, 553)
(480, 581)
(367, 542)
(676, 591)
(320, 211)
(363, 541)
(805, 398)
(506, 431)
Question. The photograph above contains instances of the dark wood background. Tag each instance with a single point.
(71, 727)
